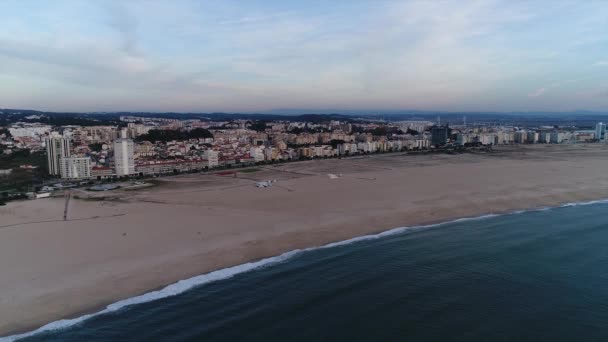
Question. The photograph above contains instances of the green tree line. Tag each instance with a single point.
(155, 135)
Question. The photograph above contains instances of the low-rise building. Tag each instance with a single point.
(101, 171)
(168, 166)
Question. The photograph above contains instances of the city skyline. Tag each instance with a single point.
(260, 56)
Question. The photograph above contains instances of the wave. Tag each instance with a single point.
(226, 273)
(576, 204)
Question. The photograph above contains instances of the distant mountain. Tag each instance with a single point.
(96, 117)
(523, 119)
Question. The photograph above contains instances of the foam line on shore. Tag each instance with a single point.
(187, 284)
(576, 204)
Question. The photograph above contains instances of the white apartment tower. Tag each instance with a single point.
(212, 158)
(257, 153)
(75, 167)
(56, 148)
(123, 155)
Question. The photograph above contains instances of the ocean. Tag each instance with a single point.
(529, 276)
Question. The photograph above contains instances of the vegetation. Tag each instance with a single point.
(335, 142)
(21, 180)
(298, 130)
(306, 129)
(23, 157)
(169, 135)
(357, 129)
(380, 131)
(68, 120)
(385, 130)
(5, 131)
(96, 147)
(258, 126)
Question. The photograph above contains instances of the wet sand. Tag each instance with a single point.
(135, 241)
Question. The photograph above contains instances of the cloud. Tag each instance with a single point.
(537, 93)
(229, 55)
(121, 20)
(601, 63)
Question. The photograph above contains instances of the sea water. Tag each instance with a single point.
(537, 275)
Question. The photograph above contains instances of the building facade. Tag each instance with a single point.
(75, 167)
(124, 155)
(600, 131)
(101, 172)
(56, 148)
(212, 158)
(439, 135)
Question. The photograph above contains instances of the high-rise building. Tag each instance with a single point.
(123, 155)
(75, 167)
(600, 131)
(56, 148)
(521, 137)
(440, 135)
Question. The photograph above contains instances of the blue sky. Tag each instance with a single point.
(260, 55)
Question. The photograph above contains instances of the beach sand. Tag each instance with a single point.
(135, 241)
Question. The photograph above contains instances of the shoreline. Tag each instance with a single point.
(184, 285)
(194, 225)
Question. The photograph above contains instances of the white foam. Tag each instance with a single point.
(576, 204)
(226, 273)
(171, 290)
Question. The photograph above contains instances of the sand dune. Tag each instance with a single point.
(137, 241)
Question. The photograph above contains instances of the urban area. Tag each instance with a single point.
(39, 158)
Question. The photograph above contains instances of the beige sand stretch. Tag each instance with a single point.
(136, 241)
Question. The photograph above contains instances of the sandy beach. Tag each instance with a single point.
(131, 242)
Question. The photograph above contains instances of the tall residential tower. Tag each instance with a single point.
(123, 155)
(600, 131)
(56, 148)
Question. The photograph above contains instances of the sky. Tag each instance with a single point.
(255, 56)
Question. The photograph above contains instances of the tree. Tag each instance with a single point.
(6, 132)
(296, 130)
(155, 135)
(380, 131)
(357, 129)
(96, 147)
(259, 126)
(200, 133)
(335, 142)
(22, 153)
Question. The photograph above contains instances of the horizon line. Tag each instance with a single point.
(296, 112)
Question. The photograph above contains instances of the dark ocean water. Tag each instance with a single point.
(534, 276)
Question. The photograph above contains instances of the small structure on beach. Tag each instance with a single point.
(265, 184)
